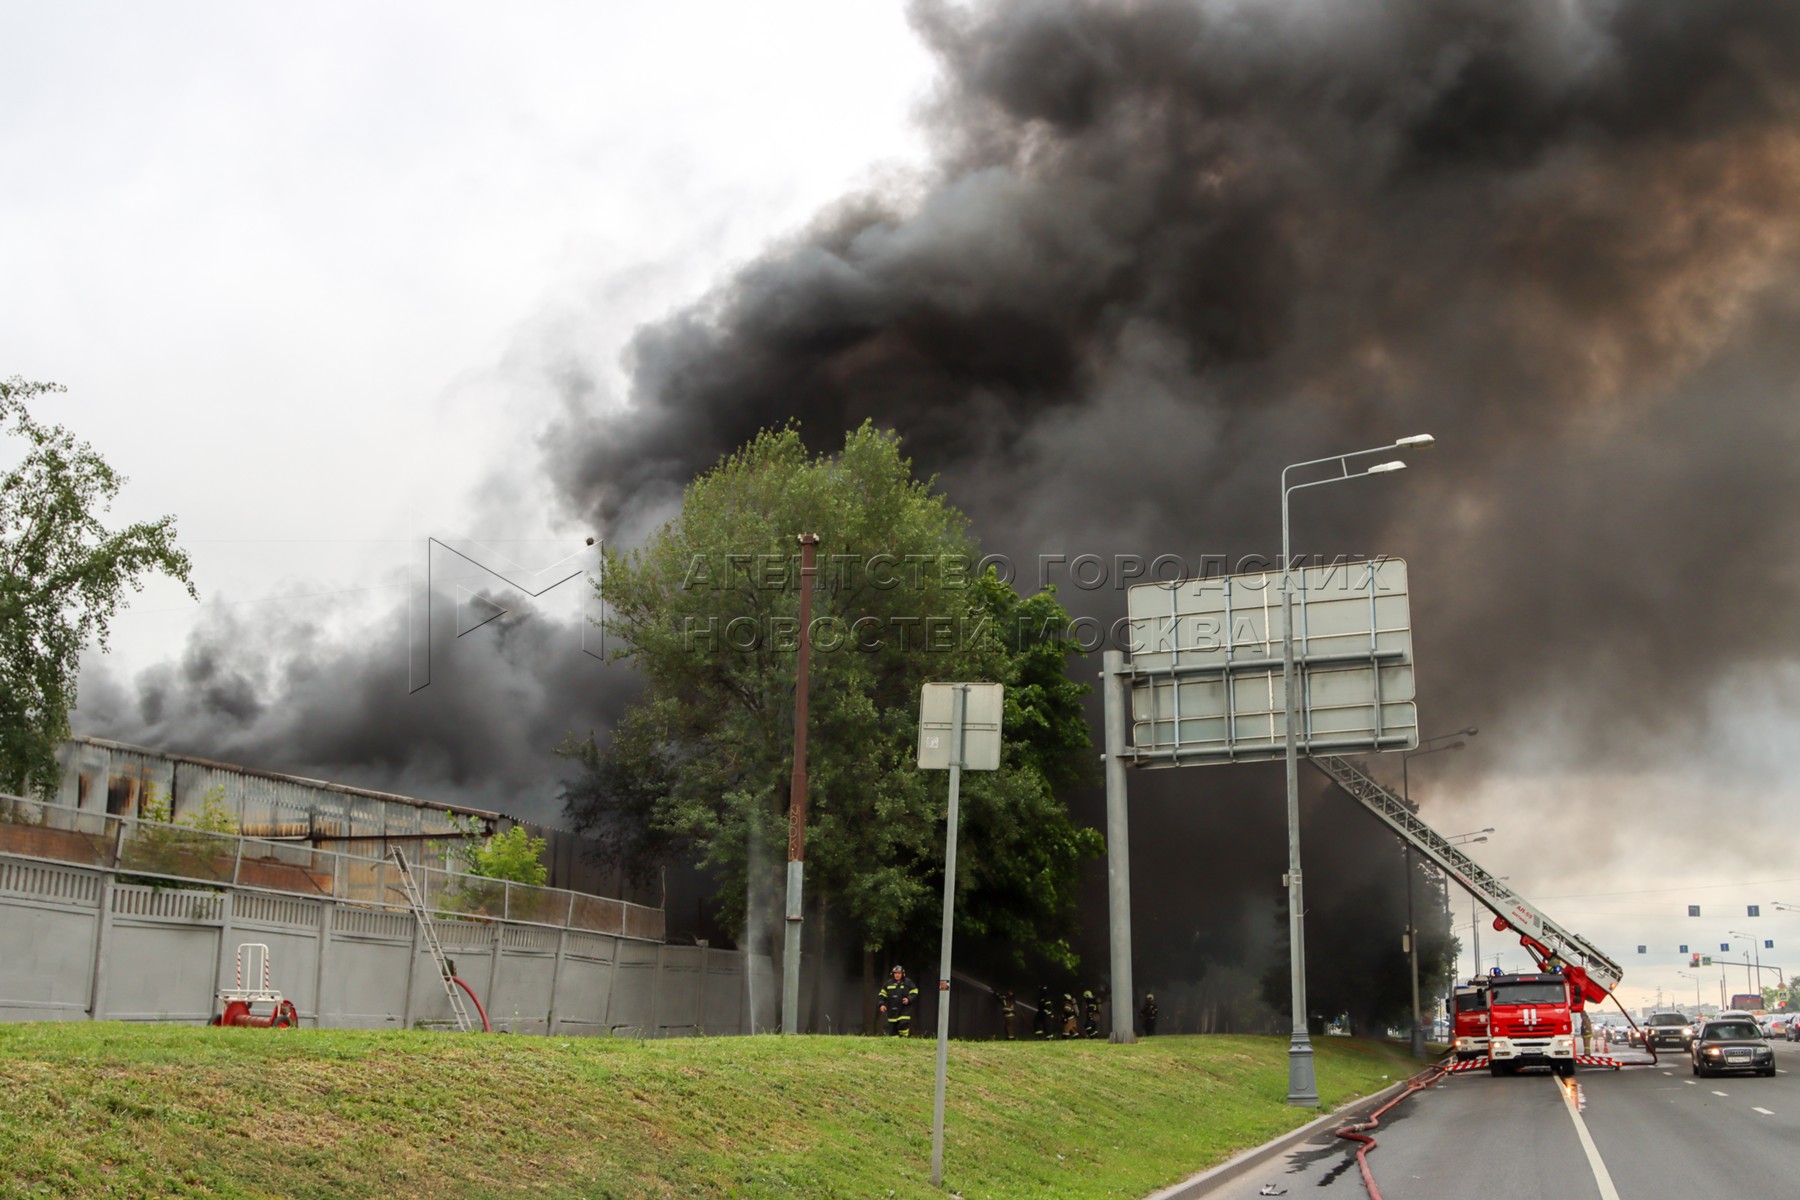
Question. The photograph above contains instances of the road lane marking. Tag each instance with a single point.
(1602, 1179)
(1690, 1083)
(1765, 1112)
(1721, 1093)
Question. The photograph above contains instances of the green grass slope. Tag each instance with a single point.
(151, 1111)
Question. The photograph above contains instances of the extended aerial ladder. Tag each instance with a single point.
(1598, 975)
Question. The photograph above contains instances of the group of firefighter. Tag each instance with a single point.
(1071, 1018)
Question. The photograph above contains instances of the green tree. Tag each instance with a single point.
(516, 856)
(62, 577)
(707, 612)
(488, 864)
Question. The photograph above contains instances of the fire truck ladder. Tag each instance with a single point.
(1393, 811)
(416, 900)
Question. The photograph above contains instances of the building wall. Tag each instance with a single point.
(77, 944)
(117, 780)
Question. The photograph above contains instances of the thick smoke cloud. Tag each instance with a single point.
(1170, 247)
(1164, 249)
(1167, 248)
(277, 692)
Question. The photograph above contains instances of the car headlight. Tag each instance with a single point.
(1712, 1052)
(1687, 1031)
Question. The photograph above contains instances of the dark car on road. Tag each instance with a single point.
(1731, 1046)
(1668, 1029)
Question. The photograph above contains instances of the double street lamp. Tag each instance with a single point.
(1696, 980)
(1412, 928)
(1755, 949)
(1303, 1089)
(1465, 839)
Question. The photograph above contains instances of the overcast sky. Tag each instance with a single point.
(304, 270)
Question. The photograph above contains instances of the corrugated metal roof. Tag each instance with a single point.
(321, 784)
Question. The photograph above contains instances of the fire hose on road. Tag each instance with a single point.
(1360, 1132)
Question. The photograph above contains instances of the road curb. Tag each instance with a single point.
(1197, 1186)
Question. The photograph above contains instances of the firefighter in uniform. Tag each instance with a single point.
(1071, 1017)
(1090, 1015)
(898, 999)
(1147, 1014)
(1040, 1024)
(1008, 1016)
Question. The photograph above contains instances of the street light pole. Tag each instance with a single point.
(1303, 1090)
(1412, 929)
(1463, 839)
(1756, 951)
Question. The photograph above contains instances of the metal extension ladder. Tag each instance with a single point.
(1389, 807)
(416, 899)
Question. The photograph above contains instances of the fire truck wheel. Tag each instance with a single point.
(1499, 1069)
(1565, 1070)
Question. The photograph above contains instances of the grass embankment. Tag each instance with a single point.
(146, 1110)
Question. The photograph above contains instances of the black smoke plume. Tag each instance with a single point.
(1165, 248)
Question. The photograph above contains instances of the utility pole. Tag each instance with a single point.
(796, 866)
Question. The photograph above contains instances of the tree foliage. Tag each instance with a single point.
(707, 612)
(516, 856)
(63, 575)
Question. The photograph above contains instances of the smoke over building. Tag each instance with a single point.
(1165, 248)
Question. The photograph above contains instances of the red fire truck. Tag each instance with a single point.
(1468, 1007)
(1531, 1022)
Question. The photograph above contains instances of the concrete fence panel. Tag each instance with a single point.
(77, 942)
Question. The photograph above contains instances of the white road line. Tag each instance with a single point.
(1721, 1093)
(1765, 1112)
(1601, 1178)
(1690, 1083)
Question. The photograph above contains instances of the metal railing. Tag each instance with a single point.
(159, 850)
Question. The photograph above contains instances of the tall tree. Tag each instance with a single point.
(708, 614)
(63, 575)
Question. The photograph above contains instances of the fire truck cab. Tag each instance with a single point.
(1468, 1005)
(1530, 1023)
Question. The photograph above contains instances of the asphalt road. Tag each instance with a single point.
(1642, 1133)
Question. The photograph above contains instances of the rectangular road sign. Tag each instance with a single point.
(981, 726)
(1206, 664)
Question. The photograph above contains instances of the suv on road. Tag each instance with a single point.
(1668, 1029)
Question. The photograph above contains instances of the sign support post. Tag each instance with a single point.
(973, 741)
(958, 704)
(1118, 851)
